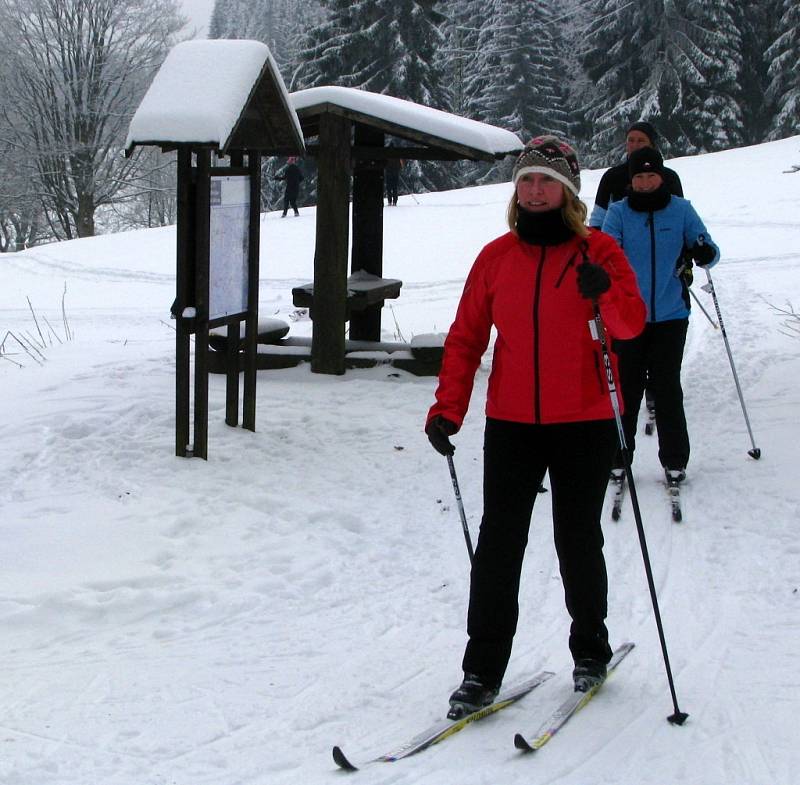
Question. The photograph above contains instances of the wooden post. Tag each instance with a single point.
(202, 211)
(251, 324)
(232, 349)
(367, 252)
(232, 374)
(183, 297)
(330, 254)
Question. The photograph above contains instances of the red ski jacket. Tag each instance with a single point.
(546, 366)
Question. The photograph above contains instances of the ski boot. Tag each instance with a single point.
(588, 674)
(472, 695)
(675, 476)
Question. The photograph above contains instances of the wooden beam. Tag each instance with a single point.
(251, 325)
(202, 227)
(185, 238)
(330, 254)
(367, 253)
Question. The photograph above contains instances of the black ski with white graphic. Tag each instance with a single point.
(674, 491)
(618, 485)
(445, 728)
(575, 702)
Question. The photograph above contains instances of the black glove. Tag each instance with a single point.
(593, 280)
(439, 429)
(703, 254)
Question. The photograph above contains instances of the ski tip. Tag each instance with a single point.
(340, 759)
(678, 718)
(521, 744)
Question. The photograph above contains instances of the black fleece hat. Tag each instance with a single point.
(646, 128)
(645, 159)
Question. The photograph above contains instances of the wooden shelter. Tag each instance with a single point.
(212, 101)
(346, 131)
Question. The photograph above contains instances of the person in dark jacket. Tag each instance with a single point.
(548, 409)
(658, 232)
(615, 182)
(392, 178)
(293, 177)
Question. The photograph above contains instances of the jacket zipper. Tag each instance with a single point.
(652, 223)
(537, 403)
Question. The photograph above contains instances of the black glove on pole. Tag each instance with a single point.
(439, 429)
(679, 717)
(593, 280)
(702, 254)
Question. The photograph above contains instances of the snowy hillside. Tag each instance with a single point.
(180, 622)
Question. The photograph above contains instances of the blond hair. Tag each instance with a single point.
(573, 210)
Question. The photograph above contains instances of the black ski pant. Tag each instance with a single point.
(392, 182)
(290, 198)
(578, 457)
(654, 359)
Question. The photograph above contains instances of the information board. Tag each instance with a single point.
(228, 245)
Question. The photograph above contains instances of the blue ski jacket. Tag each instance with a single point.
(654, 243)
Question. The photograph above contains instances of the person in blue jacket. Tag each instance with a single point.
(661, 234)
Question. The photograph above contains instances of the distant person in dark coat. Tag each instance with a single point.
(615, 182)
(292, 175)
(392, 178)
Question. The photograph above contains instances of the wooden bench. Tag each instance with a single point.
(364, 290)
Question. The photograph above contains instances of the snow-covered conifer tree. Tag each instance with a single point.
(674, 62)
(784, 73)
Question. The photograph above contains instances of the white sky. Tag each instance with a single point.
(199, 13)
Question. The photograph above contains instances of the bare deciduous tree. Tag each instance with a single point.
(73, 73)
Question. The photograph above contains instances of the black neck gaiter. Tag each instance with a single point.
(649, 202)
(547, 228)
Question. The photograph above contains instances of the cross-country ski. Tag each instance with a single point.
(444, 729)
(574, 703)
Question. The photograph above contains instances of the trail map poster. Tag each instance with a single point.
(228, 244)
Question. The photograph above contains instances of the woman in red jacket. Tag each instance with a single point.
(548, 409)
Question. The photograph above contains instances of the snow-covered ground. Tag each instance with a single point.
(182, 622)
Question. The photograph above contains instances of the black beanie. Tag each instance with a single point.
(646, 128)
(645, 159)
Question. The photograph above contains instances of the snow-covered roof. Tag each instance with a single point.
(202, 90)
(411, 117)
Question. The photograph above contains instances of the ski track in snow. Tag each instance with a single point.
(197, 623)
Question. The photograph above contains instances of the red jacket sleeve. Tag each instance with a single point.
(464, 346)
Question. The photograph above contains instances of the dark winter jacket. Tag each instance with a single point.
(293, 176)
(654, 241)
(546, 367)
(613, 187)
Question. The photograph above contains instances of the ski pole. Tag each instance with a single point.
(464, 526)
(598, 333)
(678, 273)
(754, 452)
(705, 312)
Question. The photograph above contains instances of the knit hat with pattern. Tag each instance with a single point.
(552, 156)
